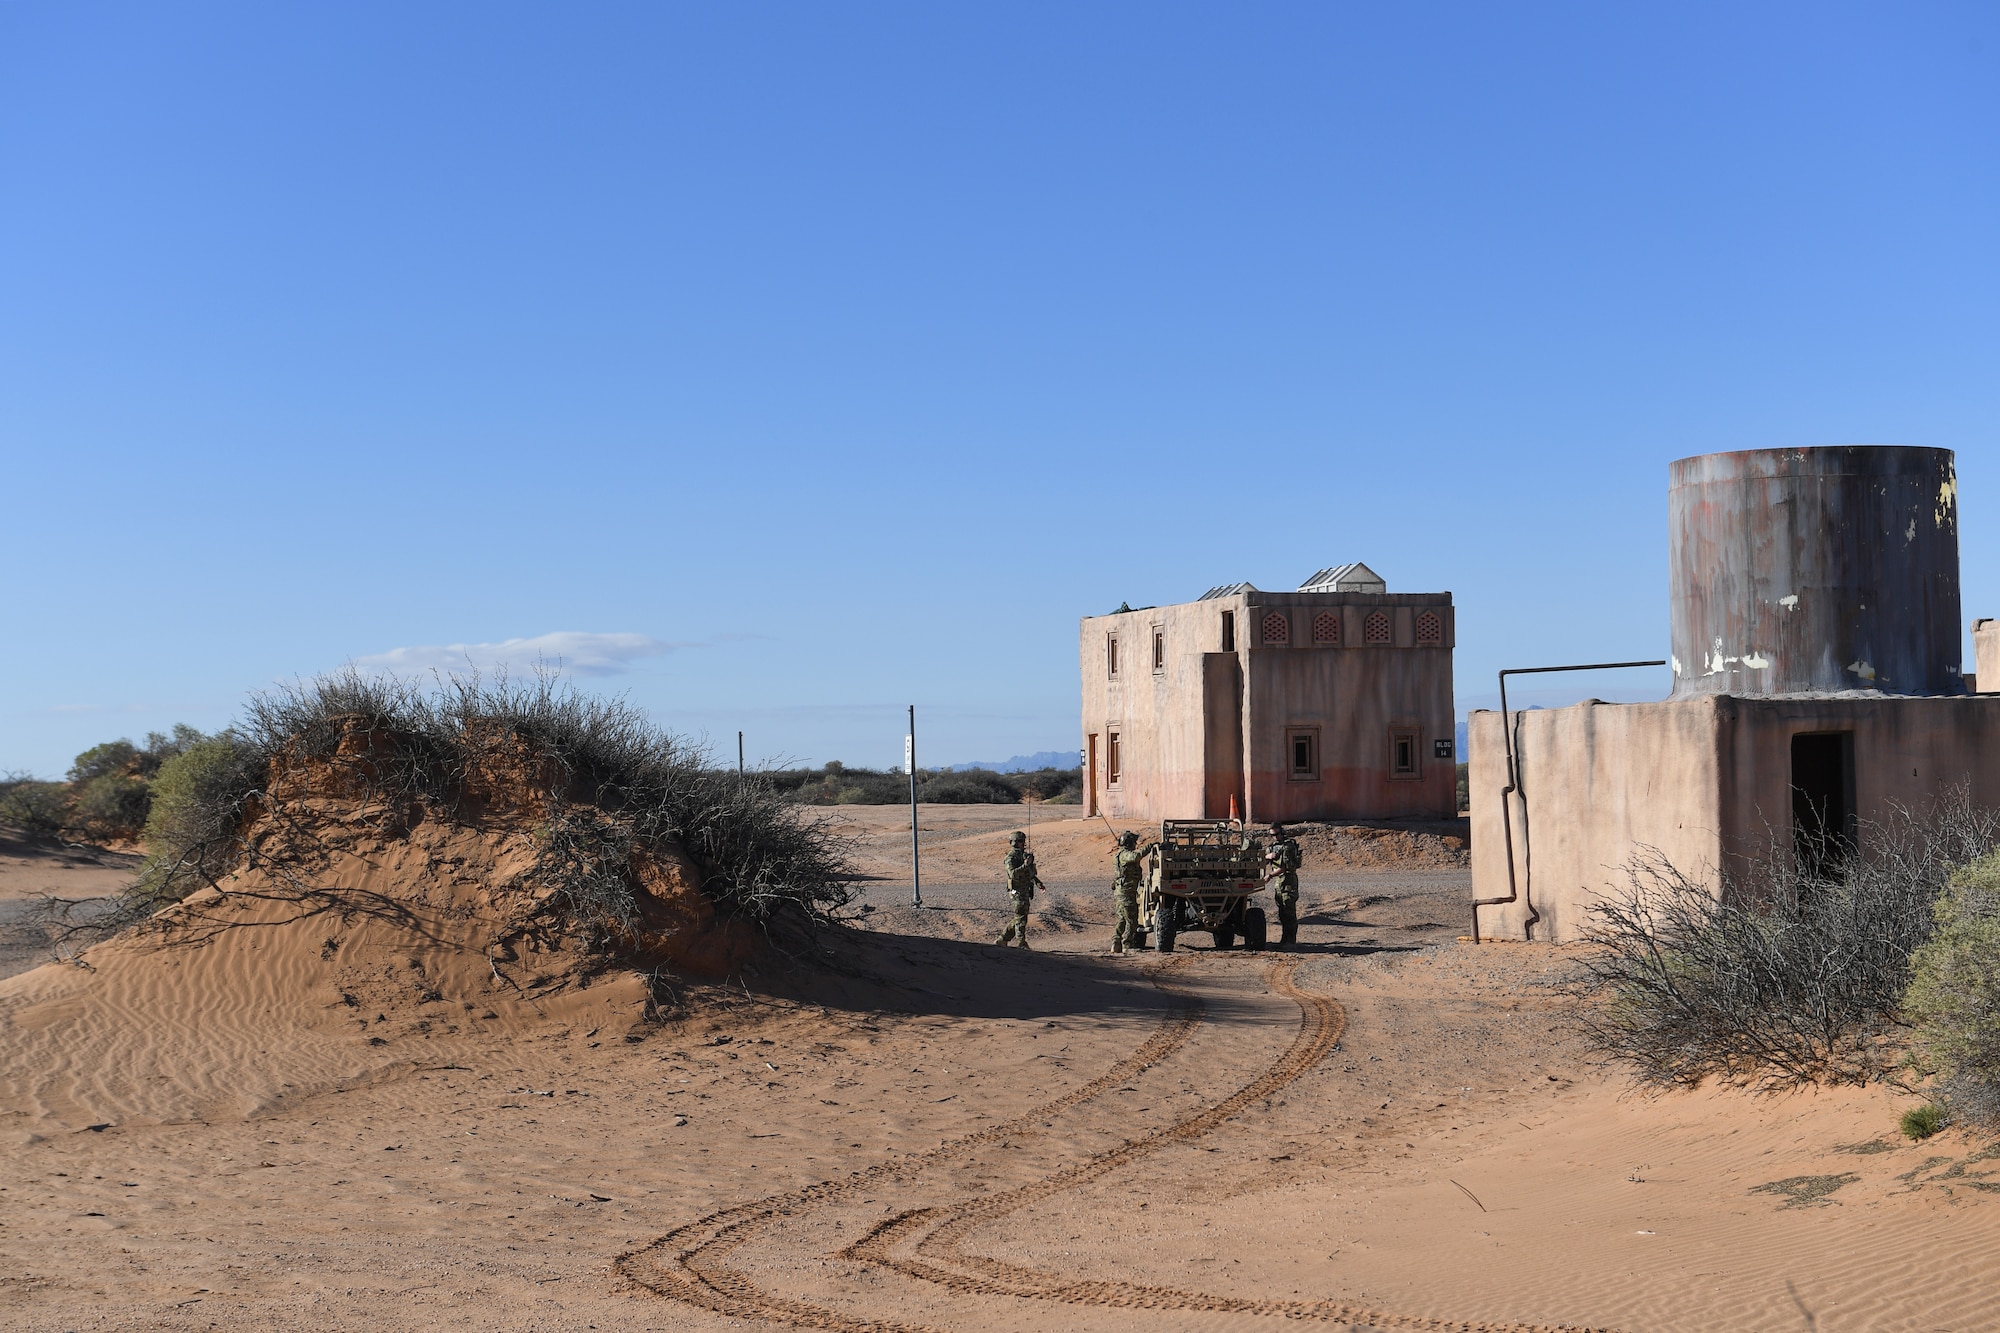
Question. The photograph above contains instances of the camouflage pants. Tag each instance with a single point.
(1128, 928)
(1288, 908)
(1019, 930)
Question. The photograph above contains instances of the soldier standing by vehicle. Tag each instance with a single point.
(1022, 881)
(1131, 873)
(1285, 858)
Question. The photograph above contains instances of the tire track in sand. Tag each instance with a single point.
(945, 1230)
(687, 1264)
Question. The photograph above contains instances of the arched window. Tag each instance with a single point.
(1326, 627)
(1430, 630)
(1277, 629)
(1375, 629)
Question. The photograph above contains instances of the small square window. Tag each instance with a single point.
(1159, 649)
(1302, 754)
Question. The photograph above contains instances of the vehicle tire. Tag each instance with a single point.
(1224, 937)
(1254, 934)
(1164, 936)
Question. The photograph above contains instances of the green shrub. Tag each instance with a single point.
(39, 809)
(193, 828)
(1054, 786)
(162, 746)
(111, 759)
(976, 786)
(1953, 1000)
(837, 784)
(110, 805)
(1920, 1122)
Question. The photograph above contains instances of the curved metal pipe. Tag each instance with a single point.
(1523, 892)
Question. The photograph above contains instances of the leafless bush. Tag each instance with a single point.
(1781, 975)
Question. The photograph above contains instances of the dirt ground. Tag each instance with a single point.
(31, 873)
(1385, 1129)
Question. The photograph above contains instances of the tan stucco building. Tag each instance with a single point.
(1330, 702)
(1816, 653)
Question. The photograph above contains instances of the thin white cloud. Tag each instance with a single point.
(565, 650)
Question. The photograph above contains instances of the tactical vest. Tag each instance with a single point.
(1131, 870)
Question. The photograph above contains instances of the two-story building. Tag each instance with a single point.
(1330, 702)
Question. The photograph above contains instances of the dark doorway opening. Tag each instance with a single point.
(1822, 799)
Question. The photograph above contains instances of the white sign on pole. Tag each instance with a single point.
(909, 754)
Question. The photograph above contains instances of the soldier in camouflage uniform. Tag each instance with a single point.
(1285, 858)
(1131, 873)
(1022, 881)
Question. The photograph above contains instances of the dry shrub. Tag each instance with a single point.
(1780, 976)
(593, 778)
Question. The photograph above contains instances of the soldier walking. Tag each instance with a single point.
(1022, 881)
(1285, 858)
(1131, 873)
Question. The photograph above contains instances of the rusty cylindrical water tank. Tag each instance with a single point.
(1801, 571)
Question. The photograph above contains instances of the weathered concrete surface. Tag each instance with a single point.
(1986, 656)
(1214, 723)
(1832, 569)
(1704, 780)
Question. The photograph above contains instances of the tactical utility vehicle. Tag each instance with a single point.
(1204, 874)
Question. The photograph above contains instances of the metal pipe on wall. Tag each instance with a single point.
(1523, 891)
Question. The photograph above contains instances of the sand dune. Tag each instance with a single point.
(1388, 1129)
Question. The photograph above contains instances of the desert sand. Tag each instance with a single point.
(287, 1119)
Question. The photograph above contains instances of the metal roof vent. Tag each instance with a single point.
(1352, 577)
(1225, 590)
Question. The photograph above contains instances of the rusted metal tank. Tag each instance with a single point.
(1812, 570)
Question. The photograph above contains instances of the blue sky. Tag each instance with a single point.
(780, 366)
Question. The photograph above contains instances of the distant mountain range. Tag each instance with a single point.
(1024, 763)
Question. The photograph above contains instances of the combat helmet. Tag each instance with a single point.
(1128, 839)
(1019, 839)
